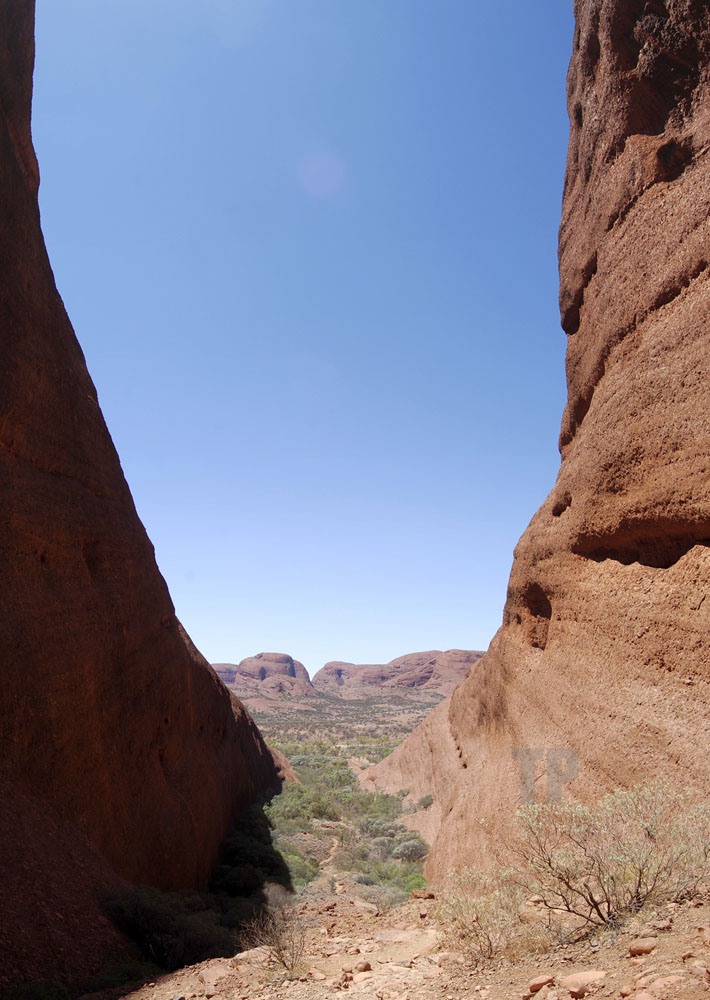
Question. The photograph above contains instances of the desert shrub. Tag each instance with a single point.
(383, 896)
(382, 847)
(373, 826)
(410, 850)
(603, 862)
(415, 880)
(250, 855)
(479, 912)
(293, 810)
(425, 801)
(374, 748)
(302, 869)
(283, 935)
(323, 807)
(173, 929)
(239, 911)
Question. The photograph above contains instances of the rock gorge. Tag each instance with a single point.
(123, 755)
(604, 650)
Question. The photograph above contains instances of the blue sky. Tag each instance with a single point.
(309, 250)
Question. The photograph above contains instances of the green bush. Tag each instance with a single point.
(410, 850)
(237, 880)
(302, 869)
(369, 830)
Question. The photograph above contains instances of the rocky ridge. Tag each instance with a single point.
(600, 668)
(432, 670)
(277, 675)
(124, 757)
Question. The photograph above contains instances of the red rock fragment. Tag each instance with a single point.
(537, 984)
(642, 946)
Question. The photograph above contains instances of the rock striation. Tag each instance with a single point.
(602, 665)
(431, 671)
(123, 756)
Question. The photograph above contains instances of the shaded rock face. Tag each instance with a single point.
(605, 643)
(111, 721)
(268, 673)
(433, 670)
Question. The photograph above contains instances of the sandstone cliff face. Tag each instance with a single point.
(112, 724)
(605, 646)
(431, 671)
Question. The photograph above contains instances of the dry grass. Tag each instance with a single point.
(480, 913)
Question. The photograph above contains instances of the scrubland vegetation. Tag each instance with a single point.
(276, 849)
(329, 815)
(368, 729)
(575, 868)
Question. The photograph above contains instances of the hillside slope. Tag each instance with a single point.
(604, 652)
(123, 755)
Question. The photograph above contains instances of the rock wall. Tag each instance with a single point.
(605, 643)
(111, 723)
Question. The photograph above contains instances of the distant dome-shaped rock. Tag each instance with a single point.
(268, 674)
(431, 671)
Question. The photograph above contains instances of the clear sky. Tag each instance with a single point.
(309, 250)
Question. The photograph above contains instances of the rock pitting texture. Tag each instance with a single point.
(432, 670)
(113, 725)
(605, 643)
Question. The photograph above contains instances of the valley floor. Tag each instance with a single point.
(400, 955)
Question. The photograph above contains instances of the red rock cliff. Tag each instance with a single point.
(121, 750)
(605, 643)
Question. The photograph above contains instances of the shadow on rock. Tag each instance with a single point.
(173, 929)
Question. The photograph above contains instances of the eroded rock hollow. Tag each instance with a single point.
(603, 657)
(122, 754)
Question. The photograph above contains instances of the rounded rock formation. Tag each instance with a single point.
(600, 674)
